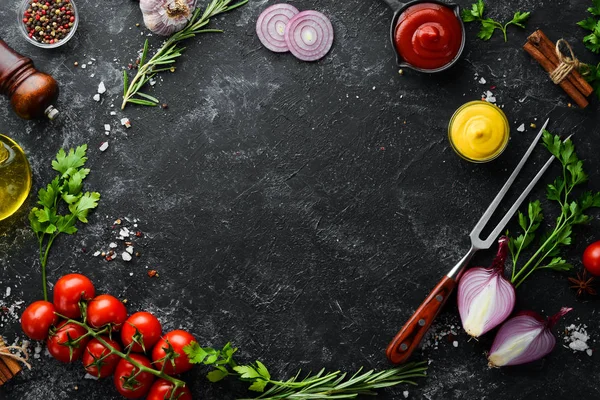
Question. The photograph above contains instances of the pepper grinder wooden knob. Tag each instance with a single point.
(32, 93)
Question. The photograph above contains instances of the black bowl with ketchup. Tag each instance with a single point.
(428, 35)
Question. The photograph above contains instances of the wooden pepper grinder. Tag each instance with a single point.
(32, 93)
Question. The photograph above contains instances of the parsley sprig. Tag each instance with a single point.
(165, 57)
(488, 25)
(65, 192)
(573, 212)
(592, 41)
(322, 385)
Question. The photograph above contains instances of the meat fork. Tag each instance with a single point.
(411, 334)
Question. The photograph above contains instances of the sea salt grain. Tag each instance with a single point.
(405, 394)
(96, 97)
(126, 256)
(104, 146)
(482, 81)
(107, 127)
(125, 122)
(455, 343)
(101, 88)
(521, 128)
(8, 291)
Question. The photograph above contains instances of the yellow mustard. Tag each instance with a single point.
(15, 177)
(479, 131)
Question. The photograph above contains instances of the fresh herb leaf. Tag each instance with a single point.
(595, 9)
(331, 385)
(592, 40)
(165, 57)
(572, 212)
(488, 25)
(46, 221)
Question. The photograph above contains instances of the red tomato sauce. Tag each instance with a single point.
(428, 35)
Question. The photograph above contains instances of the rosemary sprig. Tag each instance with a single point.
(322, 385)
(166, 56)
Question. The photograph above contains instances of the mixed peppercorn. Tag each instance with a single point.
(49, 22)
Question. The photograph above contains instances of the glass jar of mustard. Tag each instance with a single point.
(479, 131)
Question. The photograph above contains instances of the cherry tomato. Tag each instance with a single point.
(58, 342)
(591, 258)
(144, 323)
(93, 358)
(163, 389)
(37, 319)
(69, 291)
(177, 339)
(125, 370)
(106, 309)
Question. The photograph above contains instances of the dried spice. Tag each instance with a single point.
(49, 22)
(583, 284)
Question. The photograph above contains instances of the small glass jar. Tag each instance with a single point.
(15, 177)
(479, 131)
(23, 29)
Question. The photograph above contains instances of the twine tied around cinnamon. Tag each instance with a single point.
(566, 65)
(21, 356)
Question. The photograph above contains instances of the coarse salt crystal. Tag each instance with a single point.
(89, 376)
(113, 113)
(104, 146)
(125, 122)
(107, 133)
(405, 394)
(482, 81)
(521, 128)
(113, 245)
(124, 232)
(131, 274)
(89, 62)
(589, 352)
(129, 249)
(96, 97)
(455, 343)
(8, 289)
(107, 127)
(126, 256)
(578, 345)
(101, 88)
(83, 66)
(96, 254)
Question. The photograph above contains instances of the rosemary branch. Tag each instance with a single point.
(166, 56)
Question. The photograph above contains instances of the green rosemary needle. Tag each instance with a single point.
(166, 56)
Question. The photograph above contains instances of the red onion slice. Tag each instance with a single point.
(271, 24)
(309, 35)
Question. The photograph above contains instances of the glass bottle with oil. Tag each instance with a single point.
(15, 177)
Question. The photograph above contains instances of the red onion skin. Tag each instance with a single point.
(528, 331)
(485, 297)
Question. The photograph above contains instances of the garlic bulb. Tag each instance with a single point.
(165, 17)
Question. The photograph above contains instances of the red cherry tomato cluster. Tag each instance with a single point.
(91, 339)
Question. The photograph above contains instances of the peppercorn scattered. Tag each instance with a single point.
(152, 273)
(49, 22)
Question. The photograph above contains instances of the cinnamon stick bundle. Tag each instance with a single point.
(543, 50)
(8, 366)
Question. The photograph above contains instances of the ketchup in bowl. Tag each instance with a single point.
(428, 36)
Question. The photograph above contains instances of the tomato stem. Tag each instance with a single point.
(141, 368)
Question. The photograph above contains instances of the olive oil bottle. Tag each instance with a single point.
(15, 177)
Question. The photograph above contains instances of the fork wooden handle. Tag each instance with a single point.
(408, 338)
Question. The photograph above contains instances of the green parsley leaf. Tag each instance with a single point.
(258, 386)
(216, 375)
(595, 9)
(558, 264)
(47, 222)
(588, 23)
(247, 372)
(488, 25)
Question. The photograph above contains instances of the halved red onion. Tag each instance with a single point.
(485, 298)
(524, 338)
(309, 35)
(271, 24)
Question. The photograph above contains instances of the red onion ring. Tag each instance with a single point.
(309, 35)
(271, 24)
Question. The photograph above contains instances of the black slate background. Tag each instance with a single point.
(300, 210)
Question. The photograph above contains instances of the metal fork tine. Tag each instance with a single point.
(476, 241)
(492, 238)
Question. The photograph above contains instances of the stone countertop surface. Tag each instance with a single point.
(300, 210)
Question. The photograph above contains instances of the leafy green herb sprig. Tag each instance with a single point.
(488, 25)
(592, 41)
(322, 385)
(572, 212)
(165, 57)
(65, 192)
